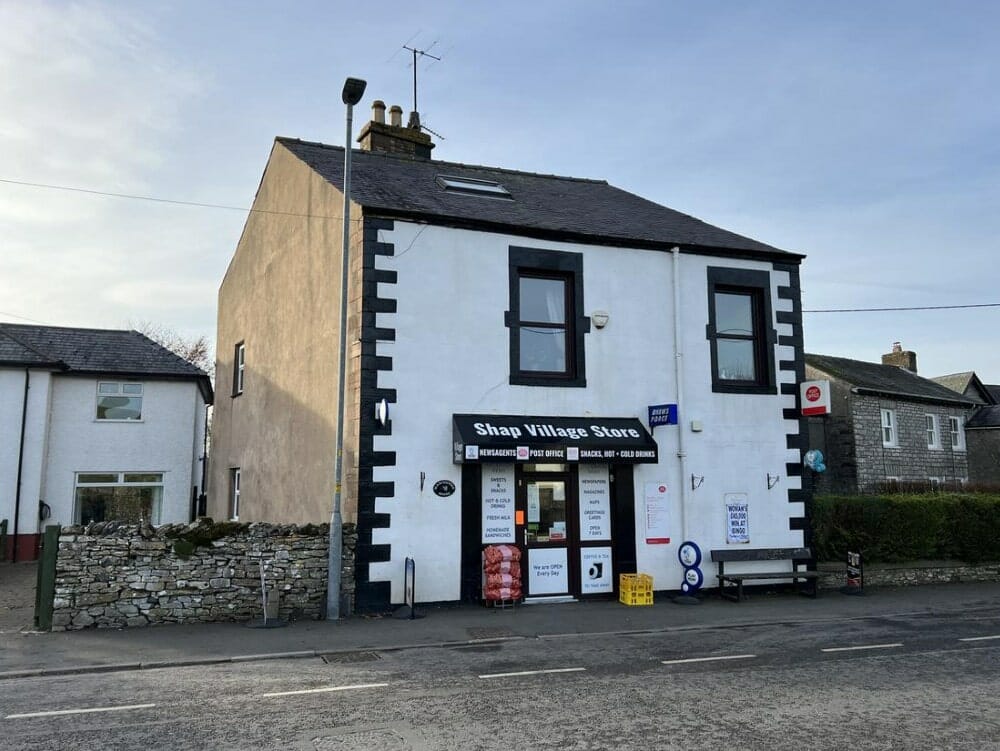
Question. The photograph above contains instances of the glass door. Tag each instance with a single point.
(546, 503)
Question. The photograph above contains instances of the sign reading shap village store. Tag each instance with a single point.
(501, 438)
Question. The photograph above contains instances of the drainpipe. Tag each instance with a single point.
(20, 463)
(679, 381)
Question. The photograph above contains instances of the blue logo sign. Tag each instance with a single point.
(662, 414)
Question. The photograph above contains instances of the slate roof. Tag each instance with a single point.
(885, 379)
(986, 417)
(956, 381)
(95, 351)
(568, 206)
(994, 392)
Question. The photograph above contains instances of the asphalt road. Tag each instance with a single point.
(916, 682)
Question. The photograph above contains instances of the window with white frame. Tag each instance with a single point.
(133, 497)
(889, 433)
(239, 368)
(234, 493)
(956, 426)
(935, 482)
(117, 400)
(933, 432)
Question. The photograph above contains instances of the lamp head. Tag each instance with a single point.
(354, 89)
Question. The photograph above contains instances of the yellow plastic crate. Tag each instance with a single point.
(635, 589)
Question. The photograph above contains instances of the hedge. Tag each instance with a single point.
(907, 527)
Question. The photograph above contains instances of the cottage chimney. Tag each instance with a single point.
(901, 358)
(393, 138)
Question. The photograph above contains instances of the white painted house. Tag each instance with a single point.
(519, 328)
(96, 425)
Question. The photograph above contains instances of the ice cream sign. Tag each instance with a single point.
(815, 397)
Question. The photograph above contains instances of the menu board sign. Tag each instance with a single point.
(498, 503)
(595, 502)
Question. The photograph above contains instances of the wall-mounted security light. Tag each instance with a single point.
(599, 318)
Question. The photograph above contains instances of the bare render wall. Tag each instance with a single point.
(280, 296)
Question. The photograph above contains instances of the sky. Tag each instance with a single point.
(863, 135)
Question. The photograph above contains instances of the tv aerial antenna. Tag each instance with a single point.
(418, 54)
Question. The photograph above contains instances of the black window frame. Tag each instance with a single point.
(548, 264)
(756, 285)
(239, 374)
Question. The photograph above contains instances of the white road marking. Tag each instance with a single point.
(53, 713)
(865, 646)
(532, 672)
(707, 659)
(326, 690)
(980, 638)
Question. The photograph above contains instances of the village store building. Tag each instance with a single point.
(508, 335)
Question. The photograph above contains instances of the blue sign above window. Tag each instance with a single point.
(662, 414)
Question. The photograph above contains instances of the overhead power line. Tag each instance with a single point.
(921, 307)
(173, 201)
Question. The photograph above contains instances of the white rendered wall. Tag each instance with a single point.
(36, 421)
(163, 441)
(451, 355)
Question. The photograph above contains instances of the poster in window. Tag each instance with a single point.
(595, 502)
(498, 503)
(596, 575)
(534, 505)
(737, 518)
(548, 573)
(657, 527)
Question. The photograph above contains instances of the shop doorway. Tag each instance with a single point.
(567, 546)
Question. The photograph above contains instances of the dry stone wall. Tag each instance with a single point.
(113, 575)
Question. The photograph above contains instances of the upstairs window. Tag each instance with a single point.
(933, 433)
(119, 401)
(239, 368)
(956, 426)
(742, 339)
(546, 318)
(889, 435)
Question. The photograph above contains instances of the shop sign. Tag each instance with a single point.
(548, 573)
(444, 488)
(662, 414)
(657, 528)
(595, 502)
(815, 397)
(737, 518)
(596, 575)
(498, 503)
(510, 438)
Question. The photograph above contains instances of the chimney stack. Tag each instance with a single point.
(393, 138)
(901, 358)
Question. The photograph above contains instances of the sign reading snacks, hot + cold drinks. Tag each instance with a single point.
(512, 438)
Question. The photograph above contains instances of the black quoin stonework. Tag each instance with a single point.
(369, 596)
(798, 439)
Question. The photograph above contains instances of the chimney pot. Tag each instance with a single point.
(897, 347)
(396, 116)
(378, 111)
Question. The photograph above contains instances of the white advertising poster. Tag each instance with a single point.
(737, 518)
(498, 503)
(548, 573)
(534, 508)
(595, 502)
(657, 529)
(596, 575)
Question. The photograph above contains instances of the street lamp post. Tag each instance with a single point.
(354, 89)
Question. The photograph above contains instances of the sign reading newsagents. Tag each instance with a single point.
(516, 438)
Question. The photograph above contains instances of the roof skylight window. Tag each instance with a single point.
(471, 187)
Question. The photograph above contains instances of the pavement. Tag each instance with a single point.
(24, 652)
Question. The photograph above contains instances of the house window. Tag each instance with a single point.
(239, 368)
(133, 497)
(956, 427)
(545, 319)
(935, 482)
(889, 436)
(742, 339)
(119, 401)
(234, 494)
(933, 434)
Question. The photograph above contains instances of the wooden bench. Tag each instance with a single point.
(797, 556)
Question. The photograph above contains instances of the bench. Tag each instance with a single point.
(797, 556)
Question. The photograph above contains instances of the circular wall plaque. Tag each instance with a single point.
(444, 488)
